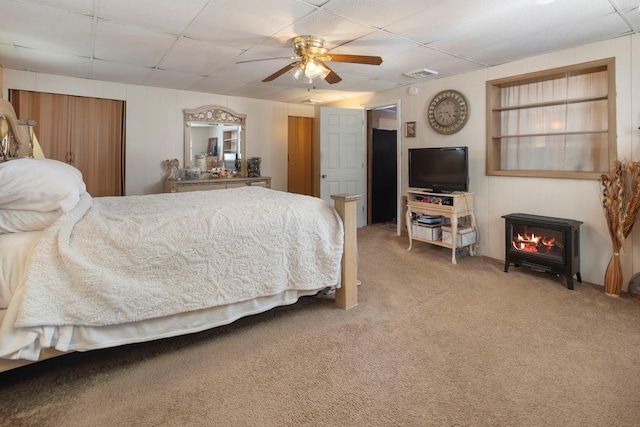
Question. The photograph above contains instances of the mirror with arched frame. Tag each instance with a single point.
(214, 136)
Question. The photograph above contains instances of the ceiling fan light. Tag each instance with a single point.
(307, 80)
(324, 72)
(296, 72)
(312, 70)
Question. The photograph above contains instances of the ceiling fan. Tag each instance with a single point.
(311, 58)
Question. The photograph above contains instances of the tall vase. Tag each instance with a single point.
(613, 276)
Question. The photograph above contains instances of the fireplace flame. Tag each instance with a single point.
(533, 243)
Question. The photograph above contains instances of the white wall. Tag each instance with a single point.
(496, 196)
(154, 124)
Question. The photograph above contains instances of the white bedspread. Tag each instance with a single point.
(117, 260)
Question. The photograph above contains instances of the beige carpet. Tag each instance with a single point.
(431, 344)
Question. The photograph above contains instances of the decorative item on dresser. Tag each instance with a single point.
(254, 166)
(170, 167)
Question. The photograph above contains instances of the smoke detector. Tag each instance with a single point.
(421, 73)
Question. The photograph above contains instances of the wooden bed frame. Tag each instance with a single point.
(345, 297)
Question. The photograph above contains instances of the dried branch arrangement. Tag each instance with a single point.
(621, 203)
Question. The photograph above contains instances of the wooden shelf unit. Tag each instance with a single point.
(537, 135)
(452, 206)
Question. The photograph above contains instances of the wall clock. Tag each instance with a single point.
(448, 112)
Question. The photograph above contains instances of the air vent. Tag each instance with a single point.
(422, 73)
(312, 101)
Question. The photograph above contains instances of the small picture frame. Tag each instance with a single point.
(410, 129)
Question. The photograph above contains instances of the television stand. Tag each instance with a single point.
(450, 206)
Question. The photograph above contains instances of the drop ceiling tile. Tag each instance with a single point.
(272, 48)
(257, 90)
(198, 57)
(245, 23)
(216, 85)
(374, 85)
(633, 15)
(553, 40)
(75, 6)
(293, 94)
(46, 29)
(493, 20)
(121, 73)
(377, 13)
(4, 37)
(316, 2)
(628, 4)
(258, 60)
(396, 64)
(171, 79)
(252, 71)
(332, 28)
(377, 43)
(126, 44)
(9, 58)
(526, 22)
(54, 63)
(159, 15)
(325, 96)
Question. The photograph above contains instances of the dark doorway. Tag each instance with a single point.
(384, 176)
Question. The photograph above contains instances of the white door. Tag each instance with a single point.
(342, 156)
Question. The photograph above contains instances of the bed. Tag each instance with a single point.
(81, 273)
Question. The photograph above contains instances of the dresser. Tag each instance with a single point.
(179, 186)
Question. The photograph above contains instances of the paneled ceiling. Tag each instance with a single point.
(196, 44)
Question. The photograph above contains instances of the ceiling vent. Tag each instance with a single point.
(312, 101)
(420, 74)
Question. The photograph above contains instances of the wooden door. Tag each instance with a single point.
(96, 137)
(299, 164)
(52, 126)
(87, 133)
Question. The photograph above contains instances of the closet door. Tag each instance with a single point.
(50, 112)
(96, 137)
(87, 133)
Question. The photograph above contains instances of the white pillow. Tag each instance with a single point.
(41, 185)
(17, 220)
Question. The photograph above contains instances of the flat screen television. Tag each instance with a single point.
(439, 169)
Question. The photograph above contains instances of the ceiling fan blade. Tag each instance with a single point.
(355, 59)
(332, 77)
(279, 72)
(290, 58)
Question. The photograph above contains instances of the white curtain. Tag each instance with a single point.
(539, 137)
